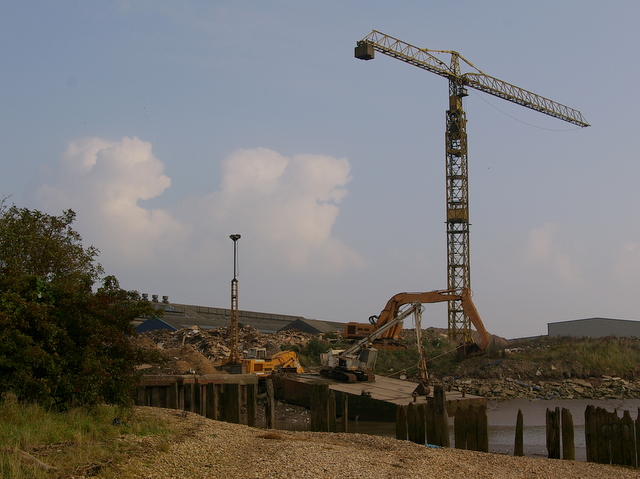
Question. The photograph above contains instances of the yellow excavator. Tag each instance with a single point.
(256, 362)
(356, 362)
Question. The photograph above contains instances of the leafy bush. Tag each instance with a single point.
(61, 344)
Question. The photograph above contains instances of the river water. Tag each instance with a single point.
(502, 423)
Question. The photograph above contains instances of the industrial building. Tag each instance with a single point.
(594, 328)
(178, 316)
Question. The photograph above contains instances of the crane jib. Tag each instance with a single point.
(424, 58)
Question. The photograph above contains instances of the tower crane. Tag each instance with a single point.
(457, 181)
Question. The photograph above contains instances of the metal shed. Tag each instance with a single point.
(594, 328)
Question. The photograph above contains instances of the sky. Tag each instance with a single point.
(167, 126)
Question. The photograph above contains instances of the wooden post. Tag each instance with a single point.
(628, 441)
(616, 438)
(482, 428)
(140, 396)
(270, 408)
(590, 433)
(553, 433)
(472, 429)
(421, 431)
(441, 419)
(252, 404)
(431, 423)
(568, 444)
(331, 412)
(637, 428)
(173, 395)
(460, 428)
(209, 408)
(604, 436)
(401, 422)
(319, 407)
(345, 413)
(231, 399)
(518, 448)
(197, 396)
(188, 397)
(412, 414)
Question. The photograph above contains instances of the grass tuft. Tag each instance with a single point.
(71, 441)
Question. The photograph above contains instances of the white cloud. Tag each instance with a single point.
(289, 204)
(103, 182)
(285, 208)
(544, 248)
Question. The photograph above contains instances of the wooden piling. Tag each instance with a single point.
(319, 407)
(590, 433)
(173, 395)
(568, 444)
(401, 422)
(270, 409)
(209, 411)
(441, 420)
(518, 448)
(331, 412)
(411, 422)
(604, 436)
(616, 438)
(553, 433)
(345, 413)
(231, 400)
(482, 428)
(460, 428)
(628, 441)
(251, 397)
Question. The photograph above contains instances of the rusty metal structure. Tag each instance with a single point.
(457, 179)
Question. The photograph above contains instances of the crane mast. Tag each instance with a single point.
(457, 177)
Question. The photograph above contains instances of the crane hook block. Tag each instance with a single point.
(364, 51)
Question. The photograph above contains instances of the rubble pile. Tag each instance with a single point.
(195, 350)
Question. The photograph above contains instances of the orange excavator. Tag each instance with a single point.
(356, 362)
(388, 314)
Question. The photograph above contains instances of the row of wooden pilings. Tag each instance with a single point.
(609, 438)
(232, 401)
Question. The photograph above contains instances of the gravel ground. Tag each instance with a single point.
(211, 449)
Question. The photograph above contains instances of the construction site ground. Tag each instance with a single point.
(199, 351)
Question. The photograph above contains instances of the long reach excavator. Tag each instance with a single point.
(356, 362)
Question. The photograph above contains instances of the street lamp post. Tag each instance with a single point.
(234, 364)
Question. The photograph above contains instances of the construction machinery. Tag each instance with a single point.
(459, 326)
(256, 362)
(463, 296)
(356, 362)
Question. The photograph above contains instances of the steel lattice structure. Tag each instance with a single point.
(457, 178)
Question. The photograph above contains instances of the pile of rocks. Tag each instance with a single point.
(605, 387)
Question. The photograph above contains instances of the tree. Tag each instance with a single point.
(61, 343)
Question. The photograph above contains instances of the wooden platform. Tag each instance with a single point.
(372, 401)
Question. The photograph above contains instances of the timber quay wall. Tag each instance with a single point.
(610, 439)
(230, 398)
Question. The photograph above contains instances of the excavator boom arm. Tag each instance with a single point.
(390, 312)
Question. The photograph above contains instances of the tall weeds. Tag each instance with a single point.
(69, 440)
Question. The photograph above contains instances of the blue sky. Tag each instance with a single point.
(169, 125)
